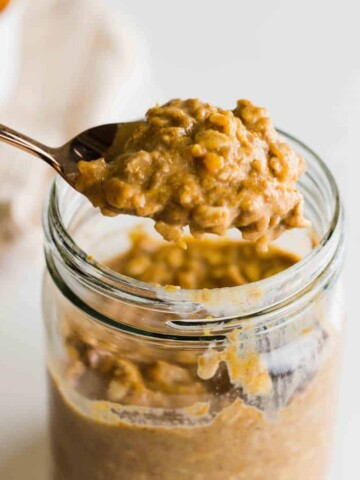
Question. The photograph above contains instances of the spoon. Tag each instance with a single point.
(90, 145)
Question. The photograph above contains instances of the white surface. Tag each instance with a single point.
(298, 58)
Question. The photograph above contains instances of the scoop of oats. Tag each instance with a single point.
(192, 164)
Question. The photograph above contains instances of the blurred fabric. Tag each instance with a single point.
(79, 64)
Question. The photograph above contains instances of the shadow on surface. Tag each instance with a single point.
(30, 461)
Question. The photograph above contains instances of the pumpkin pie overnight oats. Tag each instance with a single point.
(190, 163)
(208, 358)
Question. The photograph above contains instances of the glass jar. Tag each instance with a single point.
(149, 382)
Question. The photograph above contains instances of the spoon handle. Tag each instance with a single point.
(18, 140)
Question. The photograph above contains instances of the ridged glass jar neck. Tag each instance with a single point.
(187, 314)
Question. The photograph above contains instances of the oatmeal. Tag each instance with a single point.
(204, 263)
(122, 411)
(192, 164)
(198, 373)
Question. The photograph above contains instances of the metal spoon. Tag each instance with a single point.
(90, 145)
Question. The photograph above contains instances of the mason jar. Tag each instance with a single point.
(151, 382)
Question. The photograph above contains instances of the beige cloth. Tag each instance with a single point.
(81, 65)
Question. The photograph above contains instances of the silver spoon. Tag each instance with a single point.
(89, 145)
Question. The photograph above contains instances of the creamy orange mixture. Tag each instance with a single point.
(192, 164)
(247, 409)
(148, 382)
(206, 263)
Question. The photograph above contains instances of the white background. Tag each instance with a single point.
(300, 59)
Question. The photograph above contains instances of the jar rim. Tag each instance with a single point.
(106, 281)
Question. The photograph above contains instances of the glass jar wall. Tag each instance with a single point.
(149, 382)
